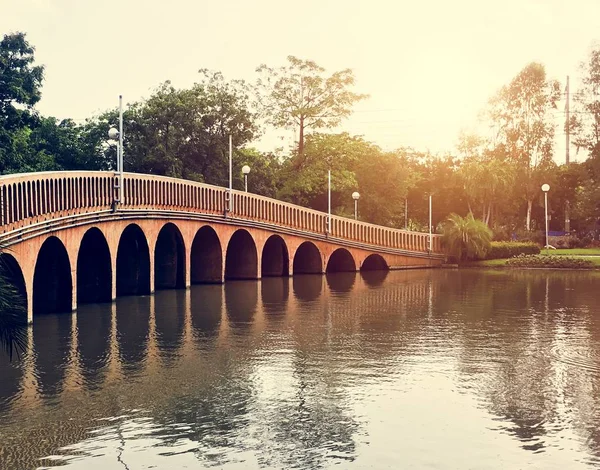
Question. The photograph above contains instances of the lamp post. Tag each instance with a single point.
(114, 134)
(356, 197)
(328, 201)
(245, 171)
(546, 188)
(430, 229)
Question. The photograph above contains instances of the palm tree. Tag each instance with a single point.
(13, 329)
(466, 237)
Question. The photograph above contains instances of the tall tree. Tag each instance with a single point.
(300, 96)
(585, 123)
(304, 177)
(525, 128)
(20, 90)
(184, 133)
(488, 184)
(20, 80)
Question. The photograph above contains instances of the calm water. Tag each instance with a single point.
(423, 369)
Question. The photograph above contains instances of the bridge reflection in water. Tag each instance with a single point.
(313, 370)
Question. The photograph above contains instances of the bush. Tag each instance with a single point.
(538, 236)
(575, 242)
(552, 262)
(466, 238)
(510, 249)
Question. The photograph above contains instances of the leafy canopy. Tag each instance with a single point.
(300, 95)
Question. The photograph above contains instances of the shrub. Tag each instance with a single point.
(510, 249)
(561, 244)
(552, 262)
(575, 242)
(466, 237)
(538, 236)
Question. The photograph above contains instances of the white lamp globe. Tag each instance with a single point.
(113, 133)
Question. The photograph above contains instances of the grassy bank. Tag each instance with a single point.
(500, 263)
(573, 252)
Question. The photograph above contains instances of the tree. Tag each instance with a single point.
(488, 183)
(384, 179)
(585, 122)
(13, 330)
(264, 174)
(184, 133)
(438, 176)
(525, 128)
(20, 90)
(466, 237)
(298, 95)
(304, 176)
(20, 80)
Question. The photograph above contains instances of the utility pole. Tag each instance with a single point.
(568, 144)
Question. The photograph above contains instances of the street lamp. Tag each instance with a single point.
(328, 202)
(546, 188)
(356, 197)
(114, 134)
(246, 170)
(430, 228)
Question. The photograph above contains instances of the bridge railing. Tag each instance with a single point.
(26, 199)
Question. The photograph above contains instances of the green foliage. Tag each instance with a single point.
(551, 262)
(298, 95)
(20, 83)
(439, 177)
(382, 178)
(466, 238)
(13, 329)
(20, 80)
(533, 236)
(305, 175)
(264, 171)
(184, 133)
(500, 250)
(521, 111)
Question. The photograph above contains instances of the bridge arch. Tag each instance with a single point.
(133, 262)
(94, 270)
(374, 262)
(275, 260)
(241, 260)
(206, 260)
(341, 260)
(169, 259)
(13, 275)
(307, 259)
(52, 282)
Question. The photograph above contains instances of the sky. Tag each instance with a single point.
(429, 67)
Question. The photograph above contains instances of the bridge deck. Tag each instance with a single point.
(30, 201)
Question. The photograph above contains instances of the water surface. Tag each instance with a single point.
(432, 369)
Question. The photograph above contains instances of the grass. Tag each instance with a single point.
(488, 262)
(494, 263)
(573, 252)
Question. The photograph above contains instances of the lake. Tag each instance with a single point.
(439, 369)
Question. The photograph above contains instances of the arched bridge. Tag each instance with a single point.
(67, 242)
